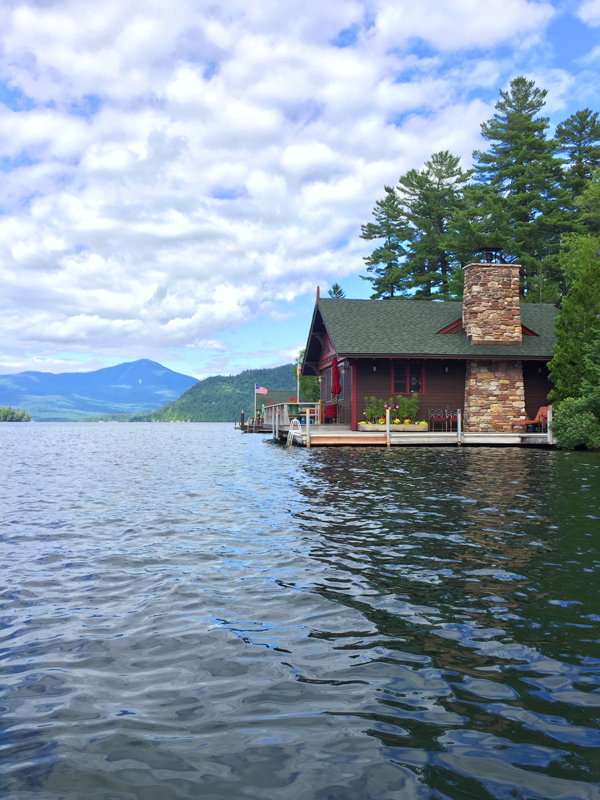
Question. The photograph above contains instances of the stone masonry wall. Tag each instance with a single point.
(491, 311)
(494, 396)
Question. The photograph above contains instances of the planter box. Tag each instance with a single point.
(381, 428)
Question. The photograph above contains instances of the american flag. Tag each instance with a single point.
(259, 389)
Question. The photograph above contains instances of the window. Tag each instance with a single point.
(399, 377)
(407, 377)
(416, 376)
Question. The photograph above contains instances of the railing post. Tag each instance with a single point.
(277, 423)
(308, 427)
(387, 427)
(548, 425)
(458, 427)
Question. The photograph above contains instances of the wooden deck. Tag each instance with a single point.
(276, 425)
(328, 435)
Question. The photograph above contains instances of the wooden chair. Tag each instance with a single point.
(541, 418)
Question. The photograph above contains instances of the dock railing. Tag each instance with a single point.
(277, 415)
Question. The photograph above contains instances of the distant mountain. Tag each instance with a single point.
(136, 386)
(220, 398)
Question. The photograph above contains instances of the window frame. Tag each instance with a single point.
(407, 364)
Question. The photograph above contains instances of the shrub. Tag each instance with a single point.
(374, 409)
(408, 407)
(401, 407)
(574, 425)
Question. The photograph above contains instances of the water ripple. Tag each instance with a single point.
(188, 612)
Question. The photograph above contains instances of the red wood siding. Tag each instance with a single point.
(537, 385)
(442, 389)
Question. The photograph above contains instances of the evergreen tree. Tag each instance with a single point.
(578, 322)
(589, 204)
(336, 292)
(384, 261)
(413, 220)
(521, 169)
(578, 138)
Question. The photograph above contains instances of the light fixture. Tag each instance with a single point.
(374, 367)
(446, 369)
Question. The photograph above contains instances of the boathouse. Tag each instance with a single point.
(487, 356)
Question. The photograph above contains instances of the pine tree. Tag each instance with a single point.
(336, 292)
(384, 261)
(578, 138)
(578, 322)
(415, 254)
(521, 169)
(589, 204)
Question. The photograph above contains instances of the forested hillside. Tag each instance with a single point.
(217, 399)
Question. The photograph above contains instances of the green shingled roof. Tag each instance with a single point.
(410, 327)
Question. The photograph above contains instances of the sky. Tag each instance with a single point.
(178, 178)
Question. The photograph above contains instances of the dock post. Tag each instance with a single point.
(387, 427)
(276, 412)
(242, 421)
(548, 425)
(458, 427)
(308, 427)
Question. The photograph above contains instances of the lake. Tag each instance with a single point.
(190, 612)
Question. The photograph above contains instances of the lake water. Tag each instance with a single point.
(190, 612)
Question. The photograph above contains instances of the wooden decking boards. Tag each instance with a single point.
(341, 435)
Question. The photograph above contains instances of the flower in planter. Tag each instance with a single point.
(396, 421)
(381, 420)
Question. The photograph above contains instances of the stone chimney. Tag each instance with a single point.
(491, 310)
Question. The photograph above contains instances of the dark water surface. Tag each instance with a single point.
(188, 612)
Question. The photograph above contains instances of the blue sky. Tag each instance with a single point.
(178, 178)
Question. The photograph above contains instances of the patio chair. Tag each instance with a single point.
(451, 419)
(541, 418)
(330, 413)
(437, 415)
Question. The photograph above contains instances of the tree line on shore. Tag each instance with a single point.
(8, 414)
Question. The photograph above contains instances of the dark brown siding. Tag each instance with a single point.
(537, 386)
(441, 389)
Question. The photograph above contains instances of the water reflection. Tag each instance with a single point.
(449, 555)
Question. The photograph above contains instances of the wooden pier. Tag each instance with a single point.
(305, 429)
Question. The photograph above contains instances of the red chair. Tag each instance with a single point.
(330, 412)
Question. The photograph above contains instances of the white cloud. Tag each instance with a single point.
(177, 169)
(589, 12)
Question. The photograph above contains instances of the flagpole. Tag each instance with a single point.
(298, 380)
(255, 404)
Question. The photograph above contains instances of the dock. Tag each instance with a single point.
(305, 429)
